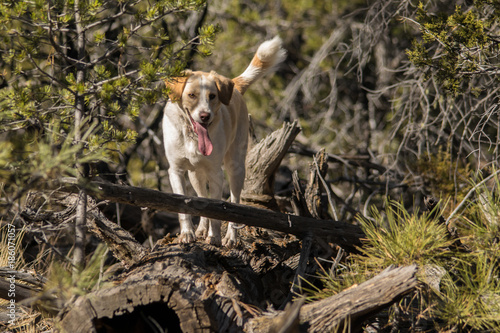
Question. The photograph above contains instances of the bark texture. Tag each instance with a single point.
(345, 311)
(262, 161)
(342, 233)
(188, 288)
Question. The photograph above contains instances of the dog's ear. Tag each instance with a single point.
(224, 87)
(176, 86)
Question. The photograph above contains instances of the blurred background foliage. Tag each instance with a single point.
(403, 96)
(398, 81)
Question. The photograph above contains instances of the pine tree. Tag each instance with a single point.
(70, 69)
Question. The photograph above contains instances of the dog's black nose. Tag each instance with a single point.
(204, 116)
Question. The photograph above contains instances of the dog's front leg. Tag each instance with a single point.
(208, 184)
(235, 167)
(178, 184)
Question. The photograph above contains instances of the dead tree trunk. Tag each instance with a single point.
(202, 288)
(261, 164)
(189, 288)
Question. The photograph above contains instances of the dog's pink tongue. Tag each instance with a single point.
(204, 143)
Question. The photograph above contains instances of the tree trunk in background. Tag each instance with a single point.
(81, 213)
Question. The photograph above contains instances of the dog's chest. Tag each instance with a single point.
(181, 144)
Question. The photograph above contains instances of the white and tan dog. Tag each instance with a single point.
(205, 125)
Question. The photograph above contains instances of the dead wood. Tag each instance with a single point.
(344, 234)
(356, 304)
(10, 289)
(190, 288)
(307, 202)
(349, 308)
(198, 287)
(262, 161)
(202, 288)
(361, 160)
(313, 192)
(30, 278)
(123, 245)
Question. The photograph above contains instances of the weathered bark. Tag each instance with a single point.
(349, 308)
(355, 305)
(189, 288)
(9, 289)
(261, 164)
(344, 234)
(313, 194)
(28, 278)
(123, 245)
(200, 288)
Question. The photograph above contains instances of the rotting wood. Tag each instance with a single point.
(313, 194)
(188, 288)
(344, 234)
(308, 203)
(262, 161)
(181, 287)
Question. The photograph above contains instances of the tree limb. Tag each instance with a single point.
(344, 234)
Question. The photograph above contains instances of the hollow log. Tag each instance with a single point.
(183, 288)
(199, 288)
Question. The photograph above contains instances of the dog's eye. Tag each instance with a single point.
(191, 95)
(211, 96)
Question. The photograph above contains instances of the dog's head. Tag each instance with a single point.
(200, 95)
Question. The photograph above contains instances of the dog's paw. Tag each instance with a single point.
(229, 242)
(213, 240)
(201, 233)
(187, 237)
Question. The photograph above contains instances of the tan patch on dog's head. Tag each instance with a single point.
(176, 86)
(224, 86)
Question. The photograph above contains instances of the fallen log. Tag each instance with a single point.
(188, 288)
(342, 233)
(11, 290)
(347, 310)
(182, 288)
(356, 304)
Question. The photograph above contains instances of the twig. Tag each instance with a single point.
(472, 190)
(327, 189)
(301, 269)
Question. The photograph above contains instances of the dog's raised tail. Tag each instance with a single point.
(268, 56)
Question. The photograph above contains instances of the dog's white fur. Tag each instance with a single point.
(205, 125)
